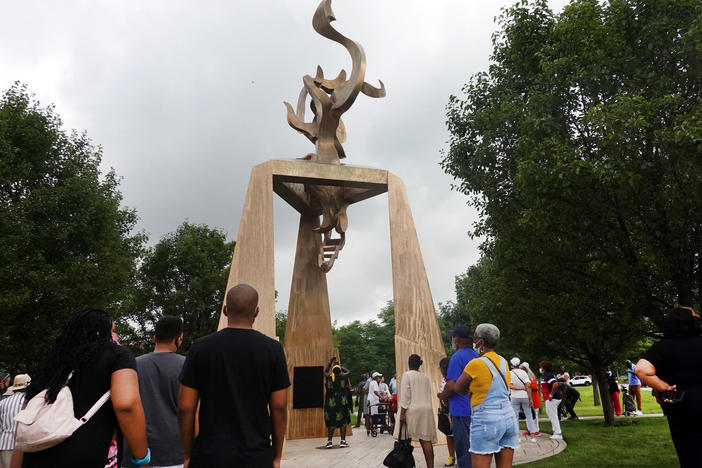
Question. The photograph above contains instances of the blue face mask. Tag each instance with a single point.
(609, 372)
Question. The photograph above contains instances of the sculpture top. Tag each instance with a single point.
(330, 98)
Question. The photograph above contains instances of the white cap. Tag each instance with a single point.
(376, 374)
(525, 365)
(515, 361)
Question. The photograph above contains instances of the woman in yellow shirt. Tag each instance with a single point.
(493, 428)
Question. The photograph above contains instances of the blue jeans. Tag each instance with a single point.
(461, 437)
(494, 427)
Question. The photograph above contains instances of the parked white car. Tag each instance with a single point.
(577, 380)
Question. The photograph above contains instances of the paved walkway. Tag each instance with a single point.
(369, 452)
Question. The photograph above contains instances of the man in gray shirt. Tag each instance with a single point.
(159, 386)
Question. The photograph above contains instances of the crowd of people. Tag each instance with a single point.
(482, 396)
(225, 403)
(475, 411)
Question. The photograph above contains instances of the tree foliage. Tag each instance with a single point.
(581, 147)
(184, 274)
(368, 346)
(64, 239)
(281, 322)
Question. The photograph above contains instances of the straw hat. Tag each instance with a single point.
(20, 383)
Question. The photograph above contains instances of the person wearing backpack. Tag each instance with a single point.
(84, 363)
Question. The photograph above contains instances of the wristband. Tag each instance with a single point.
(142, 461)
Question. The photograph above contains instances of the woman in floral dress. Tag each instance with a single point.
(337, 401)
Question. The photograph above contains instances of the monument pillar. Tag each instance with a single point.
(308, 334)
(416, 326)
(253, 261)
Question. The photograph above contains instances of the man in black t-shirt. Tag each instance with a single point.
(240, 379)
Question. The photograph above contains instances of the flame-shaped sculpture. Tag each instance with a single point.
(329, 100)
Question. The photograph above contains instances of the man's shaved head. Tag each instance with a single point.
(242, 300)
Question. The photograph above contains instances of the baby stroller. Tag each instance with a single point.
(629, 404)
(381, 420)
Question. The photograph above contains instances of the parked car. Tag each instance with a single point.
(577, 380)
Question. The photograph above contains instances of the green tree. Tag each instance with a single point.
(281, 321)
(66, 243)
(184, 274)
(580, 147)
(364, 347)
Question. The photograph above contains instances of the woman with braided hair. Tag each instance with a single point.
(85, 356)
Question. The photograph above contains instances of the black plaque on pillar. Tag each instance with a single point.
(308, 387)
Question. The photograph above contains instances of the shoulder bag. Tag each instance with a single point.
(42, 425)
(509, 394)
(444, 424)
(401, 454)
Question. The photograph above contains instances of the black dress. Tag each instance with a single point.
(337, 402)
(677, 362)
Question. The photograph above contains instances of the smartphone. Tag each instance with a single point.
(673, 395)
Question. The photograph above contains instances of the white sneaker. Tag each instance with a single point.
(532, 440)
(556, 437)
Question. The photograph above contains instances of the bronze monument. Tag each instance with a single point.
(319, 185)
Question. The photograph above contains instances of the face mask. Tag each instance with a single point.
(609, 372)
(541, 371)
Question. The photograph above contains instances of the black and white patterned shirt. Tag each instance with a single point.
(9, 407)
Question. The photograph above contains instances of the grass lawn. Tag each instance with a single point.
(641, 442)
(586, 407)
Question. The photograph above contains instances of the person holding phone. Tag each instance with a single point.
(672, 367)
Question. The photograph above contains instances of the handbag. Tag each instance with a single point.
(444, 421)
(401, 454)
(42, 425)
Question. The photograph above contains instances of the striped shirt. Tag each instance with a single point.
(9, 407)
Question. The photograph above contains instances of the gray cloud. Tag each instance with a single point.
(185, 98)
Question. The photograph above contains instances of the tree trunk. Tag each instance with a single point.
(603, 386)
(595, 390)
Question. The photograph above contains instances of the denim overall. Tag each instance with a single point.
(493, 424)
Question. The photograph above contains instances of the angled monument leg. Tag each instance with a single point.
(308, 335)
(253, 255)
(416, 326)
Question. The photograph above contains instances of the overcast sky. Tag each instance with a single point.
(185, 97)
